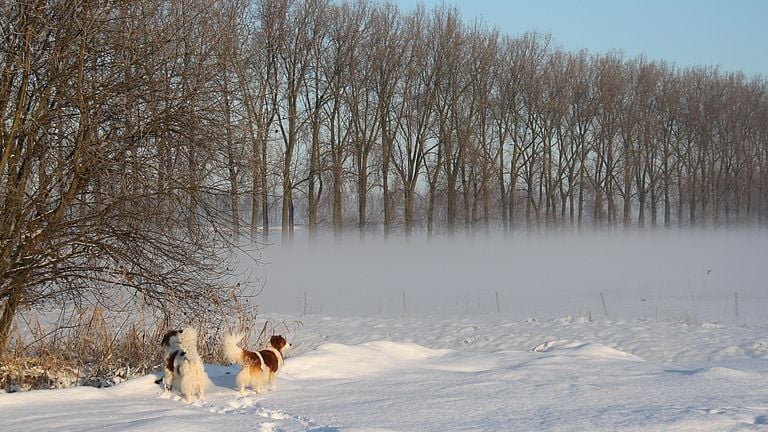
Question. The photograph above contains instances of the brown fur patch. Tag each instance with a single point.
(169, 361)
(251, 358)
(178, 367)
(278, 342)
(271, 360)
(167, 338)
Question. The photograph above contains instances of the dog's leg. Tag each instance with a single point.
(272, 381)
(257, 383)
(167, 379)
(168, 372)
(201, 381)
(242, 379)
(257, 380)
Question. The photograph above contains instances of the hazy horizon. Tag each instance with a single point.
(677, 275)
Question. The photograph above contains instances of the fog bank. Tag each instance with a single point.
(691, 276)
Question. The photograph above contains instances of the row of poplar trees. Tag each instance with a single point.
(359, 116)
(142, 138)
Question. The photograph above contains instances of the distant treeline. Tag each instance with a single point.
(355, 114)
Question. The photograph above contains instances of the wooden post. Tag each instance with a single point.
(405, 310)
(736, 304)
(498, 305)
(305, 303)
(605, 308)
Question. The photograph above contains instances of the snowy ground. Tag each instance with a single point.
(413, 339)
(479, 373)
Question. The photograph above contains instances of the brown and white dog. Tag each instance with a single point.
(183, 367)
(259, 367)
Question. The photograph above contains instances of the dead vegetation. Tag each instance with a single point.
(94, 347)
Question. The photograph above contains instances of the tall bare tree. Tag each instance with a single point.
(99, 204)
(388, 62)
(417, 96)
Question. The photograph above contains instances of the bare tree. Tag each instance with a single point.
(95, 202)
(254, 62)
(527, 136)
(417, 97)
(360, 98)
(343, 40)
(388, 38)
(299, 25)
(610, 85)
(449, 81)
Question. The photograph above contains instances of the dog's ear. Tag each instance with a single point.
(277, 341)
(167, 338)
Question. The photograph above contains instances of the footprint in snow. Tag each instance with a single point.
(274, 420)
(269, 427)
(273, 414)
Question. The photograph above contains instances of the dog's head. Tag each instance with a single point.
(172, 338)
(279, 343)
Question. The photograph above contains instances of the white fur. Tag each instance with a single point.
(232, 352)
(189, 374)
(245, 378)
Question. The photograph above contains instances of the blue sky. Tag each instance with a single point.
(732, 34)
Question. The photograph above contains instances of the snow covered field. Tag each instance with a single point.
(478, 373)
(675, 352)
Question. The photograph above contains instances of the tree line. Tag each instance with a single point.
(355, 115)
(141, 139)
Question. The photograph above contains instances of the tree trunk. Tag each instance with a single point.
(408, 211)
(338, 220)
(234, 193)
(362, 197)
(431, 210)
(9, 312)
(503, 192)
(451, 200)
(385, 183)
(314, 168)
(290, 144)
(263, 185)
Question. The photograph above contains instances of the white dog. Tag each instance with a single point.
(187, 372)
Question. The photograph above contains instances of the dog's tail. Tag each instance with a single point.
(189, 340)
(232, 352)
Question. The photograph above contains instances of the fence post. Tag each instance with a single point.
(605, 308)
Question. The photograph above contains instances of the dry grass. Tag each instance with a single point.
(97, 348)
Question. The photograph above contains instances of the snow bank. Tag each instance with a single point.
(584, 350)
(338, 361)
